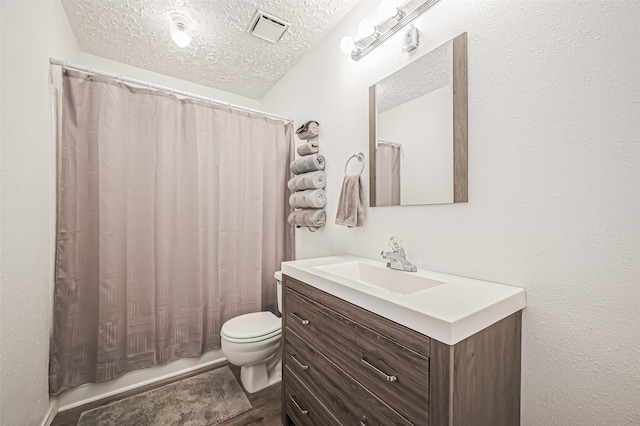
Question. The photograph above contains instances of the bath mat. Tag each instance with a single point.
(203, 400)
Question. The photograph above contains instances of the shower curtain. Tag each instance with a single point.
(171, 220)
(387, 175)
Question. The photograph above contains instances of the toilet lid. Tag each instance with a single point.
(250, 326)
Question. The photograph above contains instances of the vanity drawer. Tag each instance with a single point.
(394, 373)
(401, 334)
(301, 406)
(344, 397)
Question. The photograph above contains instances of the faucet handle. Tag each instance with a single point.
(395, 243)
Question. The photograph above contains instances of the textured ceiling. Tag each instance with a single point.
(222, 55)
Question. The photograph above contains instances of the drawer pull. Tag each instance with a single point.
(302, 320)
(377, 370)
(303, 412)
(363, 422)
(301, 365)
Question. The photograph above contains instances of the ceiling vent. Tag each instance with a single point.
(267, 27)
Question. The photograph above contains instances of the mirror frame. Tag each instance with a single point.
(460, 127)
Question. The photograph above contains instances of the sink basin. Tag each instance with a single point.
(448, 313)
(381, 277)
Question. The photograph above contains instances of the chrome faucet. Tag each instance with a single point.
(397, 259)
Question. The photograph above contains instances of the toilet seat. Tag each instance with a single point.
(253, 327)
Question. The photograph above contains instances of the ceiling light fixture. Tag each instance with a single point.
(371, 37)
(181, 28)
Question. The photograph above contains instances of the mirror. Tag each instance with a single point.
(418, 130)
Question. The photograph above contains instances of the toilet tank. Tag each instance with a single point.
(278, 277)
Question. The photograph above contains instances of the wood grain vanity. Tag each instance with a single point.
(344, 365)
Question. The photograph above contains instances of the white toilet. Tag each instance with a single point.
(252, 342)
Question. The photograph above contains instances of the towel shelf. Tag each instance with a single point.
(307, 197)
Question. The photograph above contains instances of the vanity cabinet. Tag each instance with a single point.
(344, 365)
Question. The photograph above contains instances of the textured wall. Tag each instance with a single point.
(554, 183)
(30, 33)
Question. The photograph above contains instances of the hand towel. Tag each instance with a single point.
(351, 203)
(308, 130)
(309, 199)
(308, 148)
(310, 163)
(311, 180)
(314, 218)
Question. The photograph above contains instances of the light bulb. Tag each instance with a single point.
(180, 37)
(365, 28)
(388, 8)
(347, 44)
(181, 29)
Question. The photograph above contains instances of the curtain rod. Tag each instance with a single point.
(389, 143)
(64, 64)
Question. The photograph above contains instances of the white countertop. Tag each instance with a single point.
(450, 312)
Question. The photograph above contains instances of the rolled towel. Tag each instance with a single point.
(311, 180)
(308, 130)
(311, 198)
(310, 163)
(308, 148)
(351, 203)
(308, 217)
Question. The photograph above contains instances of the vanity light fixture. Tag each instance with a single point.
(372, 37)
(347, 44)
(366, 28)
(181, 28)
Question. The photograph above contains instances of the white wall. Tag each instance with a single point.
(554, 183)
(31, 32)
(426, 156)
(108, 65)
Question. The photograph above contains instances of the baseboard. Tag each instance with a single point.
(140, 384)
(51, 413)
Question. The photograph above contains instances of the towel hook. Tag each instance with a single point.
(360, 157)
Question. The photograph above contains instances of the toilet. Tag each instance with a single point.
(252, 342)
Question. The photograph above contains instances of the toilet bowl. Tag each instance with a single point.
(252, 342)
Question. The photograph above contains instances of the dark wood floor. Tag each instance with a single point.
(265, 411)
(266, 406)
